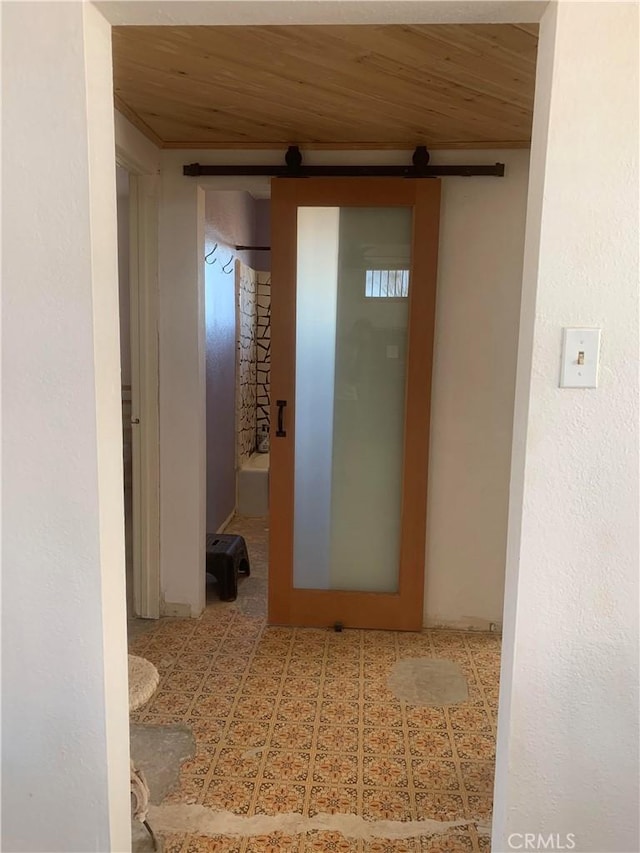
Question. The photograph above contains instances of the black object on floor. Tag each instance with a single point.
(227, 557)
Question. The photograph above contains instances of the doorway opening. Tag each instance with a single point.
(304, 719)
(123, 203)
(237, 283)
(137, 212)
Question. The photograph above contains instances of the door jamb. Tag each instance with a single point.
(143, 282)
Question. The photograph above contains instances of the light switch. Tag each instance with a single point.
(580, 354)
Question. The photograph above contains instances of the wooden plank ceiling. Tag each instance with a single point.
(446, 86)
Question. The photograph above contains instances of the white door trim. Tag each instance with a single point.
(143, 277)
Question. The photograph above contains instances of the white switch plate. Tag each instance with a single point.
(580, 345)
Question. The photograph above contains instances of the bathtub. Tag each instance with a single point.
(253, 486)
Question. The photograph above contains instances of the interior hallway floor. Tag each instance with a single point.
(290, 720)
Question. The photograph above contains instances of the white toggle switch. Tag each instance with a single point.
(580, 352)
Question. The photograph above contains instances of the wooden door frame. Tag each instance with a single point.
(145, 447)
(402, 610)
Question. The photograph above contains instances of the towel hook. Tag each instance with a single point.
(208, 255)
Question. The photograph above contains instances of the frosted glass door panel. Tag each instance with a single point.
(352, 314)
(316, 294)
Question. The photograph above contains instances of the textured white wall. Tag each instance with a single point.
(122, 197)
(133, 149)
(477, 313)
(568, 723)
(216, 12)
(182, 394)
(65, 722)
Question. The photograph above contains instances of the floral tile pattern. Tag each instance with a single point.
(300, 720)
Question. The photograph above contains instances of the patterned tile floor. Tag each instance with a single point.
(301, 720)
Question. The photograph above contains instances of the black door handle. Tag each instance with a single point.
(281, 431)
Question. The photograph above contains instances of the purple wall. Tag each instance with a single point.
(231, 219)
(220, 319)
(235, 218)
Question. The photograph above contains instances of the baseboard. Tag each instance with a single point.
(467, 623)
(226, 522)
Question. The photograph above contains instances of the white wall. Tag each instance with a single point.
(65, 723)
(141, 160)
(218, 12)
(477, 313)
(568, 722)
(182, 395)
(134, 151)
(124, 296)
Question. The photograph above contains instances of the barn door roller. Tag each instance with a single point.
(294, 168)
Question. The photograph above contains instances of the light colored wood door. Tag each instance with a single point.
(288, 605)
